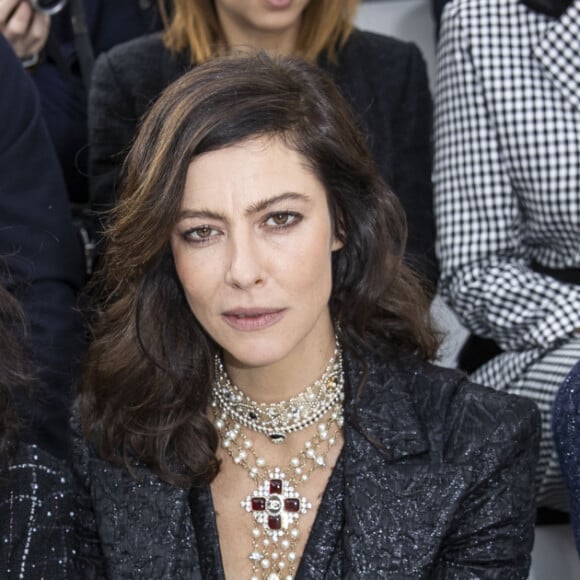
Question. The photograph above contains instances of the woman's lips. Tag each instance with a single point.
(253, 318)
(279, 3)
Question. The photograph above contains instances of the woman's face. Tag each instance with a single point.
(267, 24)
(252, 248)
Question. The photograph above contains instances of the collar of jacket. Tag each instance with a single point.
(383, 412)
(558, 51)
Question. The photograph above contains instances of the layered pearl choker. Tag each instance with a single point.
(276, 505)
(277, 420)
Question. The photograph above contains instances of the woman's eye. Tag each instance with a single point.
(200, 234)
(203, 232)
(282, 218)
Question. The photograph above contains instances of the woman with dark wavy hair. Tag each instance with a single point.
(258, 401)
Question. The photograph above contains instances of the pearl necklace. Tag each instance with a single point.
(277, 420)
(276, 505)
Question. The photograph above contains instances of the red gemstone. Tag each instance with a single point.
(275, 486)
(274, 522)
(292, 504)
(258, 504)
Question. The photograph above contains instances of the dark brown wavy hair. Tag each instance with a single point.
(149, 370)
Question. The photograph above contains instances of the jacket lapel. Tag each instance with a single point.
(558, 51)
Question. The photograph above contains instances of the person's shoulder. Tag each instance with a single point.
(140, 68)
(34, 463)
(460, 415)
(138, 51)
(453, 387)
(368, 45)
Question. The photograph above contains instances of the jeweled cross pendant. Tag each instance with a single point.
(275, 504)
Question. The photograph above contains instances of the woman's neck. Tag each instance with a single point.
(280, 42)
(286, 378)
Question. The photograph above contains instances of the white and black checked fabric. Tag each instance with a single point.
(507, 191)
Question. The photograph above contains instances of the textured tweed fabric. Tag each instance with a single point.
(36, 515)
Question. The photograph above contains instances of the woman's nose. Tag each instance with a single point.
(246, 264)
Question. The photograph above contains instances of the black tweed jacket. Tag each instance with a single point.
(436, 481)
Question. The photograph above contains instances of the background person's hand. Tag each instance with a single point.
(25, 29)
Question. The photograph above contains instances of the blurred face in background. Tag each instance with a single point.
(272, 25)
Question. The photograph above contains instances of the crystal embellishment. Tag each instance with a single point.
(275, 505)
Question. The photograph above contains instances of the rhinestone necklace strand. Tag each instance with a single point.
(277, 420)
(276, 505)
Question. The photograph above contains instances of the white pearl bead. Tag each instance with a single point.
(295, 462)
(275, 555)
(285, 544)
(219, 424)
(310, 453)
(292, 556)
(298, 470)
(260, 462)
(247, 444)
(294, 533)
(265, 563)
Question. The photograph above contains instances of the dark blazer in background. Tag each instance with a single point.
(41, 251)
(384, 80)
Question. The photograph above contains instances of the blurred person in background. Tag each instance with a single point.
(507, 185)
(42, 253)
(55, 53)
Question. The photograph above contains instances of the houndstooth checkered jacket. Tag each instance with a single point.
(507, 192)
(507, 169)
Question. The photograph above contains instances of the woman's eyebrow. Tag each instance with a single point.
(266, 203)
(200, 213)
